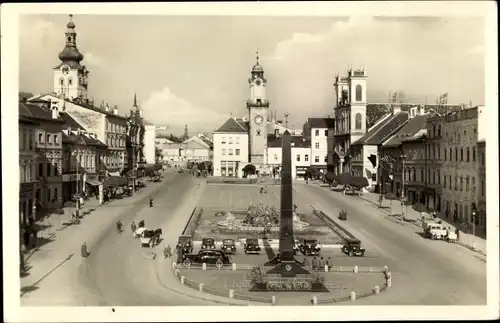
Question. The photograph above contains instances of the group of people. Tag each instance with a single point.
(319, 264)
(263, 190)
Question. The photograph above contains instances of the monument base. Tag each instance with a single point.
(286, 268)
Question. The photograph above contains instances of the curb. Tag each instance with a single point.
(420, 226)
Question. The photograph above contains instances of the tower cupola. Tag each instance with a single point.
(70, 53)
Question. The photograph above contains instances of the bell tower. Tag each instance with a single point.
(258, 107)
(70, 77)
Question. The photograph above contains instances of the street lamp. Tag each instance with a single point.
(473, 219)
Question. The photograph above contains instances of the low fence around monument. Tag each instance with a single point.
(231, 293)
(231, 180)
(333, 225)
(193, 221)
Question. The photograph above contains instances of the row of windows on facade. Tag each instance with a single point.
(344, 123)
(26, 138)
(316, 134)
(114, 127)
(230, 140)
(435, 132)
(230, 152)
(115, 142)
(48, 197)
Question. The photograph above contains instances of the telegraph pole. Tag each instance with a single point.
(403, 210)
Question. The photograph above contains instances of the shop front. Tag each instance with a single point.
(72, 184)
(26, 201)
(300, 172)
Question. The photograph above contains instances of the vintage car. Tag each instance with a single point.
(353, 248)
(180, 170)
(251, 246)
(435, 231)
(216, 257)
(137, 233)
(309, 247)
(228, 246)
(207, 243)
(148, 238)
(185, 244)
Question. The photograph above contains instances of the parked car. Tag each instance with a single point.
(251, 246)
(435, 231)
(148, 238)
(216, 257)
(353, 248)
(185, 244)
(207, 243)
(309, 247)
(228, 246)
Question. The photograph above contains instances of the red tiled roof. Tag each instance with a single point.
(383, 130)
(409, 129)
(233, 126)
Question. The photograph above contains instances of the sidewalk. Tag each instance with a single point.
(394, 208)
(59, 244)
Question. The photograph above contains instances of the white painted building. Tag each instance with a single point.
(320, 133)
(149, 149)
(230, 148)
(301, 154)
(197, 149)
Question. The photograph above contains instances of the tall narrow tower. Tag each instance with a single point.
(258, 107)
(186, 135)
(70, 77)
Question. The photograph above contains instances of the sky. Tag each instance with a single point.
(194, 69)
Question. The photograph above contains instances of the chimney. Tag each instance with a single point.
(115, 110)
(106, 107)
(55, 110)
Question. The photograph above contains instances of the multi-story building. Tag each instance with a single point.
(70, 94)
(320, 133)
(434, 163)
(415, 164)
(83, 156)
(231, 153)
(350, 116)
(149, 142)
(481, 165)
(301, 154)
(135, 136)
(197, 149)
(27, 165)
(48, 140)
(460, 170)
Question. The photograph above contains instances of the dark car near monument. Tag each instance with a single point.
(228, 246)
(212, 257)
(185, 244)
(309, 247)
(207, 243)
(252, 246)
(353, 248)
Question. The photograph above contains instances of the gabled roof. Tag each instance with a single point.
(233, 125)
(383, 130)
(198, 140)
(409, 129)
(297, 141)
(80, 139)
(326, 123)
(32, 111)
(70, 121)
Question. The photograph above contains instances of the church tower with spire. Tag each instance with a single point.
(70, 76)
(258, 108)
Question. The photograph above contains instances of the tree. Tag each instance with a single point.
(201, 166)
(330, 178)
(249, 169)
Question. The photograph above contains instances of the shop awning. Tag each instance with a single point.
(93, 182)
(115, 181)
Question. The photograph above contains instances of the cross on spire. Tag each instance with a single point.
(257, 55)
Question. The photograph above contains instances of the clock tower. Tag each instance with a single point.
(70, 77)
(258, 108)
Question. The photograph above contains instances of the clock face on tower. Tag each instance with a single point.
(258, 119)
(257, 82)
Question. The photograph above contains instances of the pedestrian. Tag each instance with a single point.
(457, 232)
(133, 227)
(329, 262)
(169, 251)
(314, 263)
(321, 264)
(434, 214)
(261, 189)
(265, 189)
(151, 202)
(165, 252)
(305, 263)
(84, 250)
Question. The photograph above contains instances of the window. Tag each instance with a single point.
(56, 194)
(451, 155)
(230, 140)
(444, 181)
(359, 93)
(468, 154)
(298, 157)
(445, 154)
(326, 159)
(30, 140)
(449, 184)
(40, 137)
(70, 81)
(473, 185)
(461, 154)
(237, 152)
(223, 152)
(421, 176)
(275, 157)
(482, 188)
(316, 159)
(461, 183)
(237, 140)
(223, 140)
(56, 170)
(467, 184)
(474, 154)
(49, 172)
(48, 195)
(306, 158)
(439, 177)
(316, 145)
(456, 154)
(326, 133)
(40, 170)
(230, 152)
(439, 130)
(483, 159)
(316, 133)
(258, 132)
(358, 120)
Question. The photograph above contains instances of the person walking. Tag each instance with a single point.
(329, 263)
(167, 251)
(151, 202)
(133, 227)
(314, 263)
(84, 250)
(321, 264)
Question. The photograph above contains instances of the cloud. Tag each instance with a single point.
(92, 59)
(165, 108)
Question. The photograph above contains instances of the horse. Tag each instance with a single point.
(158, 235)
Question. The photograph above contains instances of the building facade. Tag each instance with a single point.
(320, 133)
(231, 148)
(27, 165)
(350, 116)
(460, 168)
(301, 154)
(149, 142)
(482, 133)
